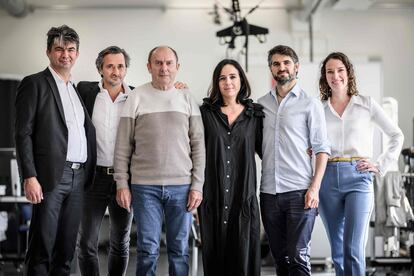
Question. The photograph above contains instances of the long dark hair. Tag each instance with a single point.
(325, 90)
(214, 90)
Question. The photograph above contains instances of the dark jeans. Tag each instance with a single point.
(97, 199)
(54, 226)
(289, 228)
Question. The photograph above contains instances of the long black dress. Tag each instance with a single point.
(229, 214)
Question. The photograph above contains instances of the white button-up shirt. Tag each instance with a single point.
(352, 134)
(75, 119)
(105, 117)
(289, 129)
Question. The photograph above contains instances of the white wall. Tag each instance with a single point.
(385, 36)
(190, 32)
(382, 36)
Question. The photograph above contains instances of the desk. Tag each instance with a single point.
(13, 199)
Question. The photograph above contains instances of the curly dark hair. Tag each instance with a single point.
(325, 90)
(284, 51)
(214, 90)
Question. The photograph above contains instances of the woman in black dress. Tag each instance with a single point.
(229, 214)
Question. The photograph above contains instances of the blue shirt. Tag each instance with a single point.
(289, 129)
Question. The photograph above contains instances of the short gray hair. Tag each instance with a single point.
(111, 50)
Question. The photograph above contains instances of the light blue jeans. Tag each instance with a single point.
(346, 204)
(151, 203)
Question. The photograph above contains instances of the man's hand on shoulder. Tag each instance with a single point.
(33, 190)
(194, 200)
(123, 198)
(180, 85)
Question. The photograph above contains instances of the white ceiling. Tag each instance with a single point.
(280, 4)
(182, 4)
(15, 7)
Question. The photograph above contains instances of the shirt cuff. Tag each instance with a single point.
(326, 150)
(197, 187)
(380, 170)
(121, 185)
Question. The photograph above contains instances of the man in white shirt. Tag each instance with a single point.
(289, 190)
(104, 101)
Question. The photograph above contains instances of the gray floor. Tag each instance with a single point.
(162, 267)
(318, 268)
(9, 269)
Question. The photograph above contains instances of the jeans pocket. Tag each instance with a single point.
(369, 175)
(367, 180)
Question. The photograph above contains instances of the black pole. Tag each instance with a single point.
(246, 45)
(310, 39)
(312, 12)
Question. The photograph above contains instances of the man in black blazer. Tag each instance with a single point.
(104, 101)
(56, 154)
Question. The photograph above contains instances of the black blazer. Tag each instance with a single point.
(41, 133)
(88, 90)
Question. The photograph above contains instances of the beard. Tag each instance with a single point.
(282, 80)
(115, 81)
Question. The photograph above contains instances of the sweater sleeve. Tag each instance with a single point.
(124, 145)
(198, 151)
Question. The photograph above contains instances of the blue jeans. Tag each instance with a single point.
(289, 228)
(102, 195)
(151, 203)
(346, 204)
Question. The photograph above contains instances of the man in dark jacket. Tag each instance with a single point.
(56, 154)
(104, 101)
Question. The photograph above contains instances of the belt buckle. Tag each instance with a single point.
(75, 166)
(109, 171)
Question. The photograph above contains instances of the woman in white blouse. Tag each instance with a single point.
(346, 194)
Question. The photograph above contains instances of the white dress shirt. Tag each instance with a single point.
(75, 119)
(289, 129)
(352, 134)
(105, 118)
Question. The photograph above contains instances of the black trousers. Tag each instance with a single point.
(97, 199)
(54, 226)
(289, 228)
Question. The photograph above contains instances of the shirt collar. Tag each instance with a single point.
(355, 99)
(295, 90)
(124, 85)
(101, 88)
(56, 76)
